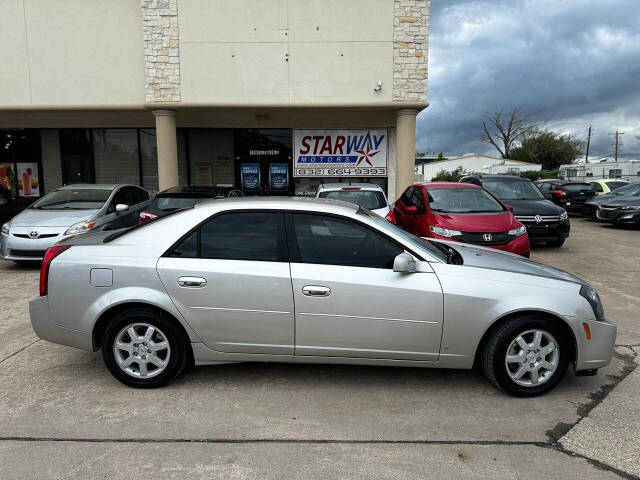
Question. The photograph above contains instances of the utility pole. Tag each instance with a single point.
(586, 157)
(617, 145)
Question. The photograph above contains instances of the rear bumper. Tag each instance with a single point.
(42, 323)
(549, 231)
(597, 352)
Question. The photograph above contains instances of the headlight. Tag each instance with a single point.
(564, 216)
(444, 232)
(518, 232)
(80, 227)
(590, 294)
(6, 227)
(631, 207)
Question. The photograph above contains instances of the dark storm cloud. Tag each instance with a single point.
(568, 63)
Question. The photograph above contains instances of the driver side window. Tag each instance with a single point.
(121, 196)
(328, 240)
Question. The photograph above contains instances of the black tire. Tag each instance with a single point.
(178, 344)
(557, 243)
(492, 361)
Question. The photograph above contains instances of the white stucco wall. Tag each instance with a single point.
(71, 52)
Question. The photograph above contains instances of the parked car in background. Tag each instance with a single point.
(545, 221)
(590, 207)
(11, 205)
(569, 195)
(310, 281)
(462, 212)
(606, 185)
(175, 198)
(365, 195)
(620, 210)
(68, 211)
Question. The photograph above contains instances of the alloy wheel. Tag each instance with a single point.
(532, 358)
(141, 350)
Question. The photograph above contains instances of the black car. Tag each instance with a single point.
(11, 205)
(545, 221)
(175, 198)
(620, 211)
(569, 195)
(590, 207)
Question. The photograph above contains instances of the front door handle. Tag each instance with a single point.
(192, 282)
(316, 291)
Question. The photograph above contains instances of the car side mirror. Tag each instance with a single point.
(412, 209)
(404, 263)
(121, 207)
(509, 207)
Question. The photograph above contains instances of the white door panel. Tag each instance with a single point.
(243, 307)
(369, 313)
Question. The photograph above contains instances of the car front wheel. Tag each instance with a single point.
(143, 348)
(526, 356)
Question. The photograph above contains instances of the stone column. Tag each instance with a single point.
(405, 148)
(167, 143)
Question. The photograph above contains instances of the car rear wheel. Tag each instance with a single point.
(143, 348)
(526, 356)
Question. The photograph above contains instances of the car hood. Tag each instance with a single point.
(600, 199)
(51, 218)
(533, 207)
(623, 201)
(496, 222)
(483, 257)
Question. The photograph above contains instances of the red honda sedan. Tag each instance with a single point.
(463, 212)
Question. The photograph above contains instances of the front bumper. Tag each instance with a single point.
(548, 231)
(597, 352)
(622, 217)
(46, 329)
(519, 245)
(28, 249)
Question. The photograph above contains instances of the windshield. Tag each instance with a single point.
(514, 190)
(633, 189)
(406, 236)
(462, 200)
(168, 204)
(576, 187)
(369, 199)
(73, 199)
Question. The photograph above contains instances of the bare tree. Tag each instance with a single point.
(503, 129)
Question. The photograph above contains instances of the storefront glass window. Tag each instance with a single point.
(115, 153)
(75, 152)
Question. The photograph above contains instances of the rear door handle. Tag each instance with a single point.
(316, 291)
(192, 282)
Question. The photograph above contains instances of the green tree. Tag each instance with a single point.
(548, 148)
(444, 176)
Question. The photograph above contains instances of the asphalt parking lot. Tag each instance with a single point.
(62, 415)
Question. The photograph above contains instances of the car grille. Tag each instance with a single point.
(538, 218)
(607, 213)
(44, 235)
(497, 238)
(27, 253)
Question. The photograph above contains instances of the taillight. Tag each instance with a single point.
(391, 217)
(49, 255)
(146, 216)
(559, 193)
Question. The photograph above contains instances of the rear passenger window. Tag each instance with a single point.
(257, 236)
(330, 240)
(188, 248)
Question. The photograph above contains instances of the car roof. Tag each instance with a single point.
(95, 186)
(196, 189)
(340, 186)
(432, 185)
(603, 180)
(283, 202)
(500, 178)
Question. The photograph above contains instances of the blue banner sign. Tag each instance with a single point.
(278, 177)
(250, 176)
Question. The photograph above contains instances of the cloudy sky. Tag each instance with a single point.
(568, 63)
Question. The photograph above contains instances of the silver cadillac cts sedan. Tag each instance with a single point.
(313, 281)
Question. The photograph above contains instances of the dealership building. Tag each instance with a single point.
(270, 96)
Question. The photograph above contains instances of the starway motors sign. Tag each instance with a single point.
(340, 153)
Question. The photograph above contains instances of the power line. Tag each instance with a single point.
(586, 158)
